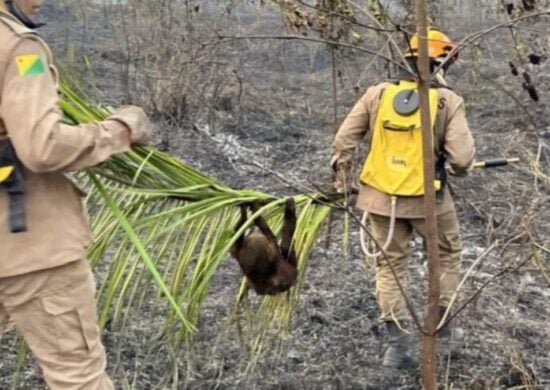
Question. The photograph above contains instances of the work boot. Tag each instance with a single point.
(399, 353)
(450, 336)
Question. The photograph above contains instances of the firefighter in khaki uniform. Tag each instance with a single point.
(392, 181)
(46, 286)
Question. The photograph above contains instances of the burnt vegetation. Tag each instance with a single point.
(258, 112)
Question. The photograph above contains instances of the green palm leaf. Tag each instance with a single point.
(162, 229)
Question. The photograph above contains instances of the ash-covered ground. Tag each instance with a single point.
(278, 141)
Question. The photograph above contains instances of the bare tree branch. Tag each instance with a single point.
(388, 35)
(317, 40)
(461, 284)
(513, 97)
(505, 271)
(480, 34)
(345, 17)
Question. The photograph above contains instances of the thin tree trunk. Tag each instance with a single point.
(428, 358)
(334, 88)
(335, 129)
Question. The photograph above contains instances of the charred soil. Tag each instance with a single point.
(282, 129)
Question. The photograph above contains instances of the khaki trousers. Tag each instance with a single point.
(391, 302)
(55, 312)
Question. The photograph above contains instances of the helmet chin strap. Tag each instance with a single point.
(16, 11)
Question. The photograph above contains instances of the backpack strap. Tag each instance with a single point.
(13, 183)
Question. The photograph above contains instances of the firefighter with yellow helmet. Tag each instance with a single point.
(392, 184)
(46, 286)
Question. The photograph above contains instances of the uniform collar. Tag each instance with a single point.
(16, 12)
(438, 80)
(439, 77)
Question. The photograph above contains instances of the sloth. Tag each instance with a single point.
(269, 268)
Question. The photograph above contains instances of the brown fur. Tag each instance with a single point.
(270, 268)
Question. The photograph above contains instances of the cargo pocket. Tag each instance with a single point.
(71, 323)
(450, 242)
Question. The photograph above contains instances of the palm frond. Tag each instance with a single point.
(148, 205)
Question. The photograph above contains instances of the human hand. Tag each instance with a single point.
(343, 183)
(137, 122)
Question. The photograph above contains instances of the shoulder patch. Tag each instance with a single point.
(30, 65)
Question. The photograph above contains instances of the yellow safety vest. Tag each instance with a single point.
(394, 164)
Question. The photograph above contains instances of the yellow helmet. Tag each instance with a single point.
(439, 45)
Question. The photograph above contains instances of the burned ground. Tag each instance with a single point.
(282, 129)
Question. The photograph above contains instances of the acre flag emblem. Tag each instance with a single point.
(30, 65)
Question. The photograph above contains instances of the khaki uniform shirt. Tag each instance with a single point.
(452, 136)
(57, 224)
